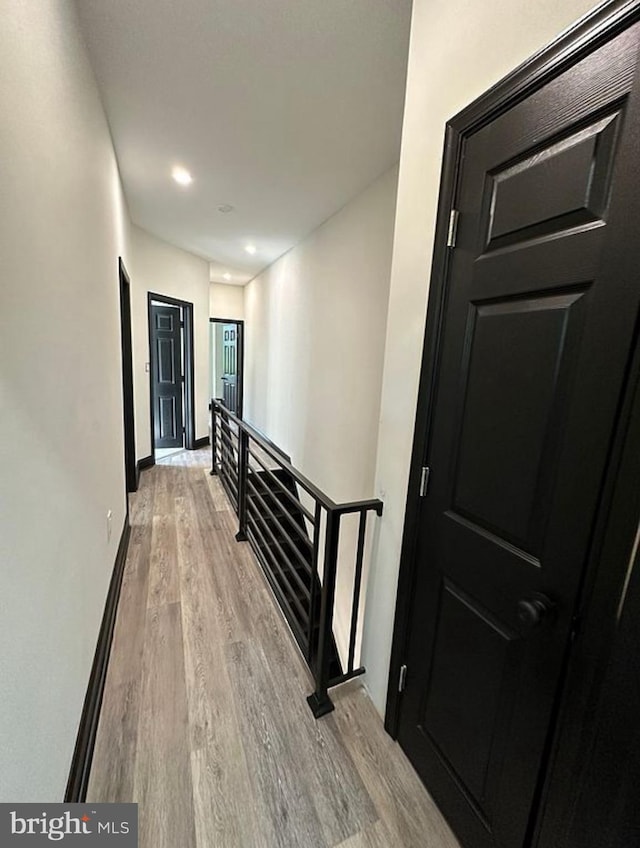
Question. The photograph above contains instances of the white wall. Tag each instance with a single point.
(315, 328)
(62, 226)
(226, 301)
(458, 49)
(163, 269)
(315, 325)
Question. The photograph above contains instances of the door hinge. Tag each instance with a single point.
(402, 680)
(424, 480)
(453, 228)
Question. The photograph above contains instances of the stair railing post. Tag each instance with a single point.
(319, 701)
(357, 588)
(243, 471)
(214, 465)
(312, 650)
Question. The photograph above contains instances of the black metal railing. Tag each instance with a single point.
(294, 530)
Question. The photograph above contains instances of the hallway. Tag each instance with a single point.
(204, 721)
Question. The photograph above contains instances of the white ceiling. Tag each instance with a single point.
(285, 109)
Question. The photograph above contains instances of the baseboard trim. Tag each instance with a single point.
(76, 791)
(141, 464)
(201, 443)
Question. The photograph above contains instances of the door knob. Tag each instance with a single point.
(533, 610)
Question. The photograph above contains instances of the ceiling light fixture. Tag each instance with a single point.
(181, 176)
(226, 276)
(251, 248)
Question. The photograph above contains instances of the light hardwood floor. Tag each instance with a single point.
(204, 721)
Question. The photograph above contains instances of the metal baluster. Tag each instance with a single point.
(313, 601)
(357, 582)
(320, 702)
(214, 465)
(243, 469)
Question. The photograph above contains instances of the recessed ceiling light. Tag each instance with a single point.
(250, 248)
(225, 208)
(181, 176)
(226, 276)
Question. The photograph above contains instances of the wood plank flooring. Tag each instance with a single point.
(204, 721)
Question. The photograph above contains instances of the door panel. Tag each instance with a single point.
(167, 356)
(166, 344)
(540, 308)
(558, 187)
(167, 408)
(472, 649)
(512, 408)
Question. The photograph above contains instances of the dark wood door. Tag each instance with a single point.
(537, 326)
(230, 366)
(166, 376)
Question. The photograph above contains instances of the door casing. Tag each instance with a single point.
(188, 366)
(131, 474)
(601, 25)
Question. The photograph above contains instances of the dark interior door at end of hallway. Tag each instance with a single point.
(538, 325)
(166, 363)
(230, 366)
